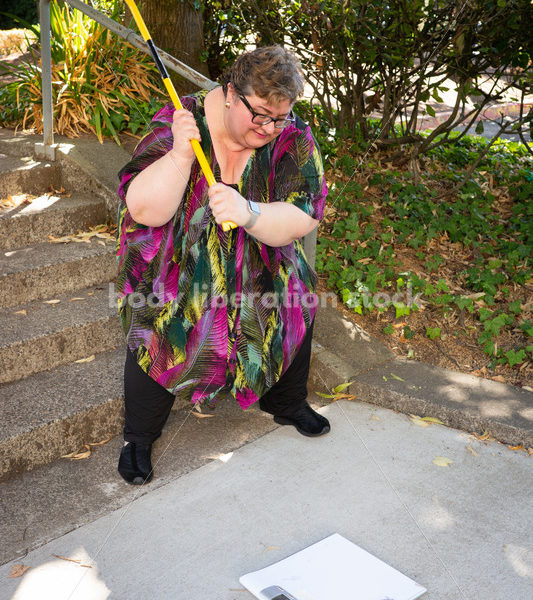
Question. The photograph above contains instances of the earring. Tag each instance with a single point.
(227, 105)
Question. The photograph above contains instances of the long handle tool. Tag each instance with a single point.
(206, 169)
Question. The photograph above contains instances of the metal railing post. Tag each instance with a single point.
(310, 246)
(47, 149)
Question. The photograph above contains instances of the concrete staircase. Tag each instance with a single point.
(51, 405)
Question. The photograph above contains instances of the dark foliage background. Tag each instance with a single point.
(25, 9)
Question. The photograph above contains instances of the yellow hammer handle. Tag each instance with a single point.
(204, 165)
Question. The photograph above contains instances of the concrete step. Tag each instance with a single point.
(54, 412)
(85, 165)
(45, 336)
(17, 143)
(46, 269)
(27, 175)
(65, 494)
(49, 214)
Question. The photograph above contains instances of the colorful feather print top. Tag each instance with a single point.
(207, 311)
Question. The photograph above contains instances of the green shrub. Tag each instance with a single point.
(99, 82)
(486, 231)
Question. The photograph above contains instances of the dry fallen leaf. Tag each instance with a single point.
(201, 415)
(376, 417)
(100, 443)
(418, 421)
(343, 397)
(76, 299)
(79, 455)
(432, 420)
(16, 200)
(442, 461)
(74, 560)
(20, 312)
(99, 231)
(472, 450)
(54, 301)
(499, 378)
(18, 570)
(60, 240)
(85, 360)
(519, 447)
(483, 437)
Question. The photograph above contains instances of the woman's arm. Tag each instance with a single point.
(280, 224)
(154, 195)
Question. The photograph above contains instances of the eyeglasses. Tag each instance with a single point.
(260, 119)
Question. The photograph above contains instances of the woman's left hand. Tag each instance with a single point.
(227, 205)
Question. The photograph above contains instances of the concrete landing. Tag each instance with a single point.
(462, 531)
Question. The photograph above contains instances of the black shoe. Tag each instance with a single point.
(134, 463)
(307, 421)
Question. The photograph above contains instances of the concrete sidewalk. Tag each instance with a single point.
(462, 531)
(343, 352)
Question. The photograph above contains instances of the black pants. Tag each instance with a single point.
(148, 403)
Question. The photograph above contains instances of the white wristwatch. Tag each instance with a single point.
(255, 211)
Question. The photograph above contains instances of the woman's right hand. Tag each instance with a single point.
(184, 129)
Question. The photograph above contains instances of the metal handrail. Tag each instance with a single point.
(48, 149)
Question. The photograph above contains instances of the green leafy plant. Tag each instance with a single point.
(99, 82)
(470, 256)
(433, 332)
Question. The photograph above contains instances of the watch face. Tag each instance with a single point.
(254, 207)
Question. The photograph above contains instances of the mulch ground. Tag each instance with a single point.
(458, 349)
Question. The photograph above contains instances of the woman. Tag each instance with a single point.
(207, 311)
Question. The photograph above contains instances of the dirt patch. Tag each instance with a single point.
(457, 349)
(14, 50)
(13, 42)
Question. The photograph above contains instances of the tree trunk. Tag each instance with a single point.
(177, 28)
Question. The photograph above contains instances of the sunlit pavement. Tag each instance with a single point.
(462, 530)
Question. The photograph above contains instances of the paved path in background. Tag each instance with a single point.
(462, 531)
(493, 112)
(491, 129)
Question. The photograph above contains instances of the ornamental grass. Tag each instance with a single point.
(100, 83)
